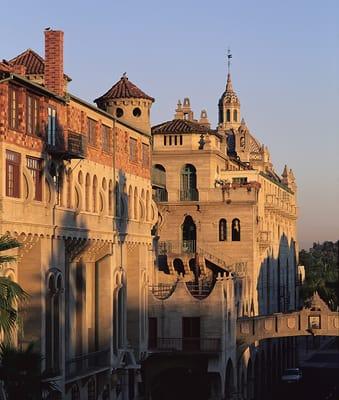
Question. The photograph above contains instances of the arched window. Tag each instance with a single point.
(159, 182)
(53, 301)
(95, 194)
(147, 205)
(110, 197)
(130, 202)
(236, 230)
(135, 203)
(222, 230)
(91, 390)
(87, 189)
(235, 115)
(69, 188)
(228, 116)
(188, 183)
(117, 200)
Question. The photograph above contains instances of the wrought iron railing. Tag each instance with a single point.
(87, 362)
(162, 290)
(202, 345)
(160, 195)
(188, 246)
(189, 195)
(200, 290)
(76, 144)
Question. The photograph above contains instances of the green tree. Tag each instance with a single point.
(10, 292)
(321, 272)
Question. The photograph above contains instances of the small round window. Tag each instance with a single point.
(136, 112)
(119, 112)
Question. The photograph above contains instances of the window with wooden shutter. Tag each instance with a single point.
(35, 167)
(132, 149)
(106, 138)
(12, 174)
(145, 155)
(91, 134)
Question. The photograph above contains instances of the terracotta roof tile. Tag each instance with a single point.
(123, 89)
(180, 126)
(34, 63)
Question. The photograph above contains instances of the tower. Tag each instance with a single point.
(127, 103)
(229, 104)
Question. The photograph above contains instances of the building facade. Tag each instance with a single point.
(227, 227)
(76, 192)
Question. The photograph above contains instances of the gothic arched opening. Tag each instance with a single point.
(189, 235)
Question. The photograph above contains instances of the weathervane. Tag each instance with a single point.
(229, 56)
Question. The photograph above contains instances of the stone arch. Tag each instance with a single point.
(178, 265)
(69, 179)
(147, 206)
(236, 234)
(249, 381)
(91, 389)
(142, 205)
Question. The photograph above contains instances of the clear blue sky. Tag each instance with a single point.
(285, 71)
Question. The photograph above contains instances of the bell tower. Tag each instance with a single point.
(229, 104)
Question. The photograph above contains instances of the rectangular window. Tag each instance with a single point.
(12, 174)
(180, 140)
(51, 126)
(91, 126)
(145, 155)
(106, 138)
(35, 167)
(240, 180)
(191, 333)
(165, 140)
(13, 108)
(132, 149)
(32, 115)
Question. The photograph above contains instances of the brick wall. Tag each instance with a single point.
(54, 61)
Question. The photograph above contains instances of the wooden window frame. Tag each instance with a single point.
(32, 114)
(51, 126)
(34, 165)
(13, 108)
(13, 161)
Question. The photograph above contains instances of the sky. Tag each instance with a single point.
(284, 69)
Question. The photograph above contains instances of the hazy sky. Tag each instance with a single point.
(285, 71)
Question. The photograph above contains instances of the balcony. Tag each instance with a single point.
(189, 195)
(160, 195)
(73, 147)
(185, 345)
(87, 364)
(185, 246)
(158, 177)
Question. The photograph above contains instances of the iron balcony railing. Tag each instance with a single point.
(82, 364)
(185, 246)
(73, 147)
(158, 177)
(162, 290)
(189, 195)
(160, 195)
(189, 345)
(76, 145)
(201, 289)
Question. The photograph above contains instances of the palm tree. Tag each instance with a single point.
(10, 292)
(20, 370)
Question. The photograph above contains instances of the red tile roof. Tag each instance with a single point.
(34, 63)
(181, 126)
(123, 89)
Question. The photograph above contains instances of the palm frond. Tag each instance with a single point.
(7, 242)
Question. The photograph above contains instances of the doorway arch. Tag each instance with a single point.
(189, 235)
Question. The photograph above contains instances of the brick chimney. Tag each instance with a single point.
(54, 61)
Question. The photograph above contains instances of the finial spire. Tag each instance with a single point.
(229, 56)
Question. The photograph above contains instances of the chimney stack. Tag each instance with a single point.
(54, 61)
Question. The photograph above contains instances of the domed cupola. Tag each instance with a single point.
(128, 103)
